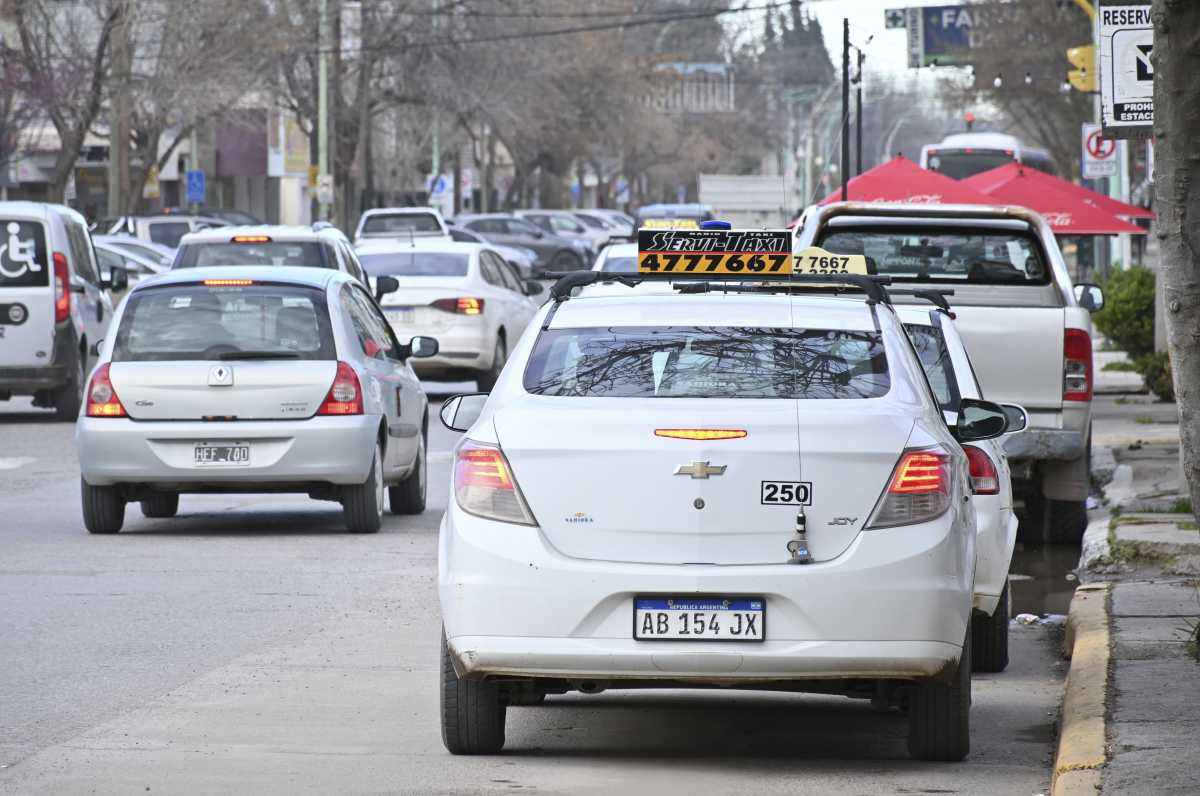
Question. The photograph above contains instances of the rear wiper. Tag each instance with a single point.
(258, 355)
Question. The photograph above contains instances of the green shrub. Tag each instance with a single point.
(1156, 373)
(1128, 315)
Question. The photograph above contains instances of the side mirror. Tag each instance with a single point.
(116, 280)
(385, 285)
(1089, 296)
(979, 420)
(422, 347)
(1018, 418)
(534, 288)
(460, 412)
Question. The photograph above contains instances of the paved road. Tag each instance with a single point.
(250, 645)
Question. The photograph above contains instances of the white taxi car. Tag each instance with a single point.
(710, 489)
(253, 379)
(952, 378)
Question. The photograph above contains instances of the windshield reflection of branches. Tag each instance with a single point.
(708, 362)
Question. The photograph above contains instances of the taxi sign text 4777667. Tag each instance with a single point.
(752, 254)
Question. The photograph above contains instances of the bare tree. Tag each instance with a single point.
(1177, 203)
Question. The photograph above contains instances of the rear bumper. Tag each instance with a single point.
(331, 450)
(465, 344)
(894, 605)
(1044, 444)
(50, 376)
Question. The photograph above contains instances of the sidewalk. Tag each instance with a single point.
(1141, 561)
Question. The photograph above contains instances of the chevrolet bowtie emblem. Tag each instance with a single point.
(700, 469)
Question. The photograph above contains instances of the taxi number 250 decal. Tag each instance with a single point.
(786, 493)
(714, 262)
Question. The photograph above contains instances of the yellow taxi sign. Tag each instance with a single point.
(818, 262)
(746, 253)
(670, 223)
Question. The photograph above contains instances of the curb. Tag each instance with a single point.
(1082, 730)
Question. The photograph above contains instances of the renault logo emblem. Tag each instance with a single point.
(220, 376)
(700, 469)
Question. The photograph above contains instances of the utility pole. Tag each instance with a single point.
(322, 108)
(845, 108)
(858, 120)
(118, 123)
(436, 154)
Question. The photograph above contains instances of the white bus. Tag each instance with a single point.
(963, 154)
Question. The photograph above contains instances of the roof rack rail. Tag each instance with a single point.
(935, 296)
(875, 286)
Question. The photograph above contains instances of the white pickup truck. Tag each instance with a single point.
(1027, 329)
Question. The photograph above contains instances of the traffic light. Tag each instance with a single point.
(1083, 76)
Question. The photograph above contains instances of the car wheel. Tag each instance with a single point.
(161, 505)
(939, 714)
(472, 712)
(103, 508)
(565, 261)
(989, 637)
(70, 396)
(362, 504)
(487, 379)
(408, 496)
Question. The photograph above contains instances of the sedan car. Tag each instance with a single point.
(619, 258)
(519, 257)
(556, 254)
(731, 490)
(253, 379)
(147, 250)
(564, 223)
(951, 377)
(463, 294)
(320, 246)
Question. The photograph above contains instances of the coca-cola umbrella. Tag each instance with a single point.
(902, 181)
(1070, 209)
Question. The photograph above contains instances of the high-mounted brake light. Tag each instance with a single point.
(62, 288)
(984, 479)
(1077, 365)
(345, 394)
(700, 433)
(460, 306)
(484, 484)
(250, 239)
(102, 400)
(919, 490)
(228, 282)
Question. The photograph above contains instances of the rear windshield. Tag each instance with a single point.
(947, 255)
(23, 260)
(401, 223)
(707, 362)
(169, 233)
(197, 322)
(309, 254)
(415, 263)
(960, 164)
(620, 265)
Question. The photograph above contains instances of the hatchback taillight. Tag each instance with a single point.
(102, 400)
(345, 394)
(460, 306)
(62, 288)
(1077, 365)
(484, 484)
(918, 491)
(984, 479)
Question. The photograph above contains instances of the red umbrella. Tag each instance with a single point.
(901, 180)
(1033, 182)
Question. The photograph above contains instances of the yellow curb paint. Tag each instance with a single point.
(1081, 738)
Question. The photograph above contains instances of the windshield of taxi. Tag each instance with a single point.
(201, 322)
(707, 362)
(308, 254)
(948, 255)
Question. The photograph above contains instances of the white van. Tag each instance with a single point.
(54, 307)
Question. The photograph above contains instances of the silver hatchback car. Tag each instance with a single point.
(254, 379)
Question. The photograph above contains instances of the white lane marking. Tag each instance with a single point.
(15, 462)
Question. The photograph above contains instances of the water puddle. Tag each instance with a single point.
(1042, 578)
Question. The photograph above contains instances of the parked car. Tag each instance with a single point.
(319, 246)
(401, 222)
(520, 257)
(111, 259)
(463, 294)
(619, 258)
(167, 229)
(146, 249)
(618, 225)
(253, 379)
(556, 254)
(563, 222)
(1027, 328)
(54, 304)
(229, 215)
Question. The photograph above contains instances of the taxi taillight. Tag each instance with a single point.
(984, 479)
(705, 434)
(484, 484)
(345, 394)
(102, 400)
(918, 491)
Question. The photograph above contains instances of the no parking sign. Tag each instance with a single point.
(1099, 153)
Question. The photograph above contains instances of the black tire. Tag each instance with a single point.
(69, 397)
(408, 496)
(528, 699)
(486, 380)
(362, 504)
(939, 714)
(472, 713)
(564, 262)
(161, 505)
(989, 637)
(103, 508)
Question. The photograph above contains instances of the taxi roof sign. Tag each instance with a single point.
(815, 260)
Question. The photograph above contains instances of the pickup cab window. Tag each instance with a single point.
(947, 255)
